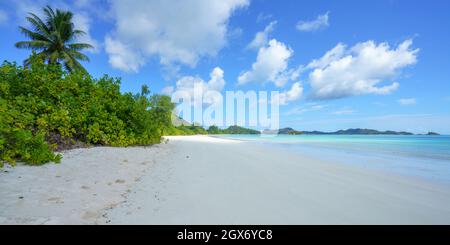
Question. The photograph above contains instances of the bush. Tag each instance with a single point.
(43, 109)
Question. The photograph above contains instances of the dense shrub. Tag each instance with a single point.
(232, 130)
(43, 109)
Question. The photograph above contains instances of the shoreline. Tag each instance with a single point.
(211, 180)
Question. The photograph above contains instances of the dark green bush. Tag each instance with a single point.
(43, 109)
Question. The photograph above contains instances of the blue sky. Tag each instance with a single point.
(386, 68)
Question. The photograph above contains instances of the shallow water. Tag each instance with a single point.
(414, 155)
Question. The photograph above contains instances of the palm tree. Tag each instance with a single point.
(54, 38)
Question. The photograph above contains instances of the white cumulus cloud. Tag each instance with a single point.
(262, 37)
(271, 65)
(293, 94)
(122, 56)
(197, 88)
(177, 32)
(344, 72)
(320, 22)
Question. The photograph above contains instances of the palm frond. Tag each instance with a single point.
(35, 44)
(77, 55)
(79, 32)
(79, 46)
(34, 35)
(38, 24)
(54, 37)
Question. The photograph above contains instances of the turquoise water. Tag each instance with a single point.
(415, 155)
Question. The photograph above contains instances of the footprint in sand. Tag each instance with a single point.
(89, 215)
(55, 200)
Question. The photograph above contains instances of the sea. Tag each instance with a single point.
(423, 156)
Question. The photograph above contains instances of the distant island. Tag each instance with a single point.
(359, 131)
(356, 131)
(187, 128)
(232, 130)
(430, 133)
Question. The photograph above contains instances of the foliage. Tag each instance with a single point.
(214, 130)
(240, 130)
(53, 38)
(186, 130)
(232, 130)
(43, 108)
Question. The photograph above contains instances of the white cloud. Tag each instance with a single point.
(293, 94)
(271, 65)
(320, 22)
(122, 56)
(178, 32)
(82, 21)
(407, 101)
(343, 72)
(343, 112)
(330, 56)
(3, 16)
(195, 85)
(262, 37)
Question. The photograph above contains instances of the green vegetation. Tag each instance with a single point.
(52, 103)
(186, 130)
(289, 131)
(232, 130)
(53, 38)
(359, 131)
(43, 109)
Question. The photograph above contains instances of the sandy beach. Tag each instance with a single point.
(207, 180)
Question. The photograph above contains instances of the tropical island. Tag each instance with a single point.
(356, 131)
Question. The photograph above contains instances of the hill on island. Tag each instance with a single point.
(357, 131)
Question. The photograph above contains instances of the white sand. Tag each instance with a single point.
(206, 180)
(77, 191)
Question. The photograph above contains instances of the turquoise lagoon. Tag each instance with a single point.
(414, 155)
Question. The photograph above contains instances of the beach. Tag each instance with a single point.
(209, 180)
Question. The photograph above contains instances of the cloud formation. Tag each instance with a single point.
(344, 72)
(319, 23)
(293, 94)
(262, 37)
(122, 56)
(209, 90)
(271, 65)
(177, 32)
